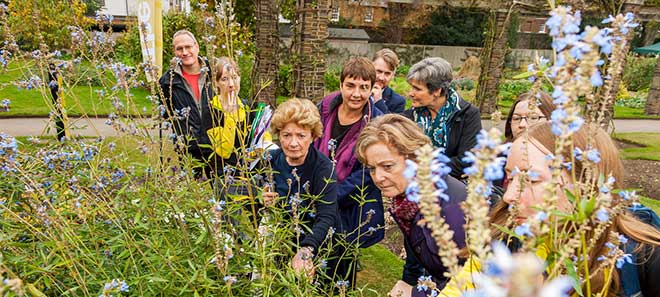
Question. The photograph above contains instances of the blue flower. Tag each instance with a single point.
(627, 195)
(593, 155)
(422, 282)
(602, 215)
(625, 258)
(577, 153)
(622, 239)
(596, 79)
(411, 170)
(412, 192)
(523, 230)
(493, 171)
(541, 216)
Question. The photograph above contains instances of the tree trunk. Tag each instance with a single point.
(264, 73)
(653, 101)
(492, 61)
(397, 13)
(310, 35)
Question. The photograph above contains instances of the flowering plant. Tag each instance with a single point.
(554, 249)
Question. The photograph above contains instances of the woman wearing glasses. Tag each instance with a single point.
(522, 116)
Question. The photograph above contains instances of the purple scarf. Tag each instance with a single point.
(344, 153)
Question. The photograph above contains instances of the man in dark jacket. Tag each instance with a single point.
(386, 62)
(187, 92)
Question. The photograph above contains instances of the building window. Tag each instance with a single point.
(542, 28)
(334, 16)
(369, 15)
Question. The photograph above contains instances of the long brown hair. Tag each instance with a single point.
(625, 223)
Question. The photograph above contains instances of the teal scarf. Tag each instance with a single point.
(437, 128)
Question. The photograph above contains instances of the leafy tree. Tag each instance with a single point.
(92, 6)
(454, 26)
(36, 22)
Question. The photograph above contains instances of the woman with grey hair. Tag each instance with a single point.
(451, 122)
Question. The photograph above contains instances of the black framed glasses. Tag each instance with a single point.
(530, 119)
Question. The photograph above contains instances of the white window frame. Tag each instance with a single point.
(369, 15)
(334, 16)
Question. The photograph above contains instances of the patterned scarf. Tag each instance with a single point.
(437, 128)
(404, 212)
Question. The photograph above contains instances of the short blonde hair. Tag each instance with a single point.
(302, 112)
(389, 56)
(397, 131)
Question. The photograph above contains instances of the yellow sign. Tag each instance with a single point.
(150, 20)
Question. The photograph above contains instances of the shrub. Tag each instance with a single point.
(639, 72)
(332, 78)
(509, 90)
(463, 84)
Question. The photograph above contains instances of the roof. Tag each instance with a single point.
(649, 49)
(333, 33)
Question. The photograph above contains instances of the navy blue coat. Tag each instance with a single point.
(421, 242)
(319, 214)
(392, 102)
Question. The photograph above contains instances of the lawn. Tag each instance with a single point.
(381, 270)
(79, 99)
(648, 145)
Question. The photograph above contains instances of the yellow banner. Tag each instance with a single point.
(150, 20)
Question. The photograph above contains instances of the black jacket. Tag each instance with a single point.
(318, 208)
(177, 95)
(464, 125)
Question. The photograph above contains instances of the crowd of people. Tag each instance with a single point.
(350, 151)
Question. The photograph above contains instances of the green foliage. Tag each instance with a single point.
(332, 78)
(512, 30)
(285, 80)
(92, 6)
(464, 84)
(453, 26)
(639, 72)
(510, 89)
(403, 70)
(632, 102)
(35, 22)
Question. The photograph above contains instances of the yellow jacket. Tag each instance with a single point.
(465, 276)
(223, 137)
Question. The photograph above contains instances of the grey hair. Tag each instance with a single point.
(183, 32)
(434, 72)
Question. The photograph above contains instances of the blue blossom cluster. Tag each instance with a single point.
(4, 105)
(487, 159)
(65, 160)
(4, 57)
(439, 171)
(115, 286)
(8, 152)
(102, 18)
(31, 83)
